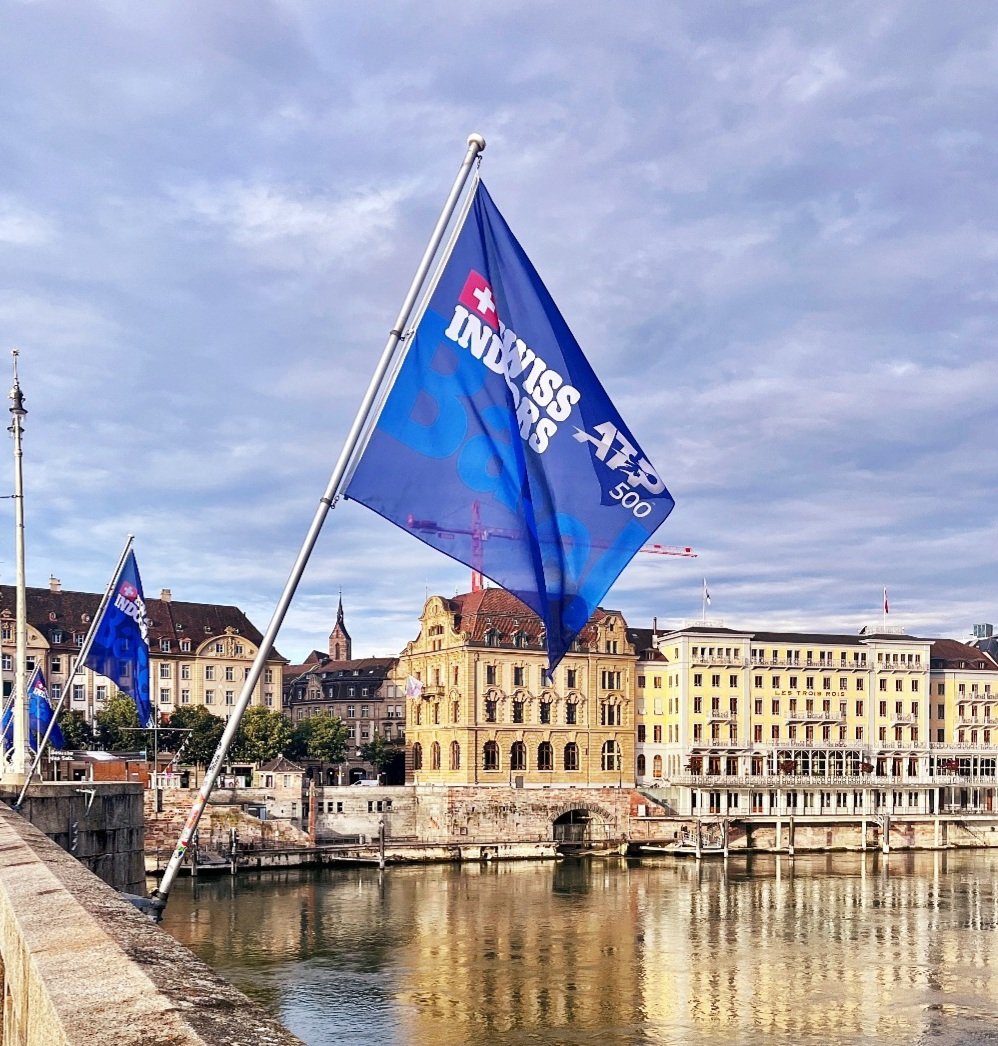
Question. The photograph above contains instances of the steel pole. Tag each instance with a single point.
(476, 144)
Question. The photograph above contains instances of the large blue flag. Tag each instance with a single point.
(39, 716)
(120, 648)
(497, 444)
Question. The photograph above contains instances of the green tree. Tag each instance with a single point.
(263, 734)
(381, 754)
(198, 737)
(322, 737)
(76, 732)
(117, 724)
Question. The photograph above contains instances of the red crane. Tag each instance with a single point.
(479, 535)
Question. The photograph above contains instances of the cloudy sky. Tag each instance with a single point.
(771, 226)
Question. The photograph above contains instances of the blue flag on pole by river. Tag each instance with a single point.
(120, 648)
(39, 716)
(498, 445)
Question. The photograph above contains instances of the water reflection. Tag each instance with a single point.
(838, 948)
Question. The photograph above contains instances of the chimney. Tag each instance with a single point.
(55, 585)
(165, 595)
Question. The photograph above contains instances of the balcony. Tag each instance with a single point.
(720, 716)
(715, 659)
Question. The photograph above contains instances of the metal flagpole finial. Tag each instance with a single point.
(16, 396)
(477, 139)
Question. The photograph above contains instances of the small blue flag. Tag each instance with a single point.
(497, 445)
(39, 716)
(120, 649)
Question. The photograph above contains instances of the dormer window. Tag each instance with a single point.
(164, 645)
(492, 637)
(520, 639)
(185, 646)
(56, 635)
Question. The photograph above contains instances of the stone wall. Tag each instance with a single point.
(223, 813)
(99, 823)
(81, 967)
(441, 814)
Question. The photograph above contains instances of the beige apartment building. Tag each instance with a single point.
(480, 709)
(734, 722)
(199, 653)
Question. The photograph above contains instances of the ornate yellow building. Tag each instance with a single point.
(480, 709)
(741, 722)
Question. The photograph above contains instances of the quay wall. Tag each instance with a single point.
(99, 823)
(79, 966)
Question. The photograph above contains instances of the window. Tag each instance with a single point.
(641, 766)
(914, 686)
(268, 675)
(435, 756)
(518, 675)
(898, 684)
(78, 692)
(641, 681)
(571, 756)
(209, 671)
(859, 706)
(351, 711)
(230, 673)
(793, 682)
(455, 755)
(697, 679)
(517, 712)
(641, 732)
(185, 671)
(657, 766)
(185, 697)
(732, 681)
(715, 680)
(490, 710)
(490, 675)
(757, 681)
(610, 756)
(571, 713)
(185, 646)
(859, 684)
(657, 733)
(164, 696)
(545, 711)
(776, 682)
(776, 706)
(455, 711)
(883, 684)
(518, 756)
(490, 756)
(610, 679)
(230, 697)
(164, 671)
(545, 756)
(55, 665)
(571, 678)
(209, 697)
(417, 756)
(609, 715)
(697, 705)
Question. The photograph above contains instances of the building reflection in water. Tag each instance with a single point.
(821, 949)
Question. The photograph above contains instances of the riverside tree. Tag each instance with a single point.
(381, 754)
(198, 737)
(323, 738)
(117, 725)
(263, 734)
(77, 734)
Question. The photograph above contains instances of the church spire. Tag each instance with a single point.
(339, 639)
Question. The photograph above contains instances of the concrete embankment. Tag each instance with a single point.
(82, 967)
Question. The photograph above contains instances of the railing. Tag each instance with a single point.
(717, 659)
(771, 782)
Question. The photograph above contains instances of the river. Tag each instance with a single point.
(838, 948)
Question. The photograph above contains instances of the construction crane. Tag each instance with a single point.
(479, 535)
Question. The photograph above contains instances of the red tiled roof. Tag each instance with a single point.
(955, 654)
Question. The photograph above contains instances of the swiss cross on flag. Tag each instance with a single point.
(477, 298)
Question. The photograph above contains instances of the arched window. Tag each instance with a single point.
(455, 712)
(610, 756)
(518, 756)
(490, 756)
(435, 755)
(641, 766)
(545, 756)
(417, 756)
(455, 755)
(657, 766)
(571, 756)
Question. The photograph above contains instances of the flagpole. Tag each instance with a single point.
(79, 662)
(476, 144)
